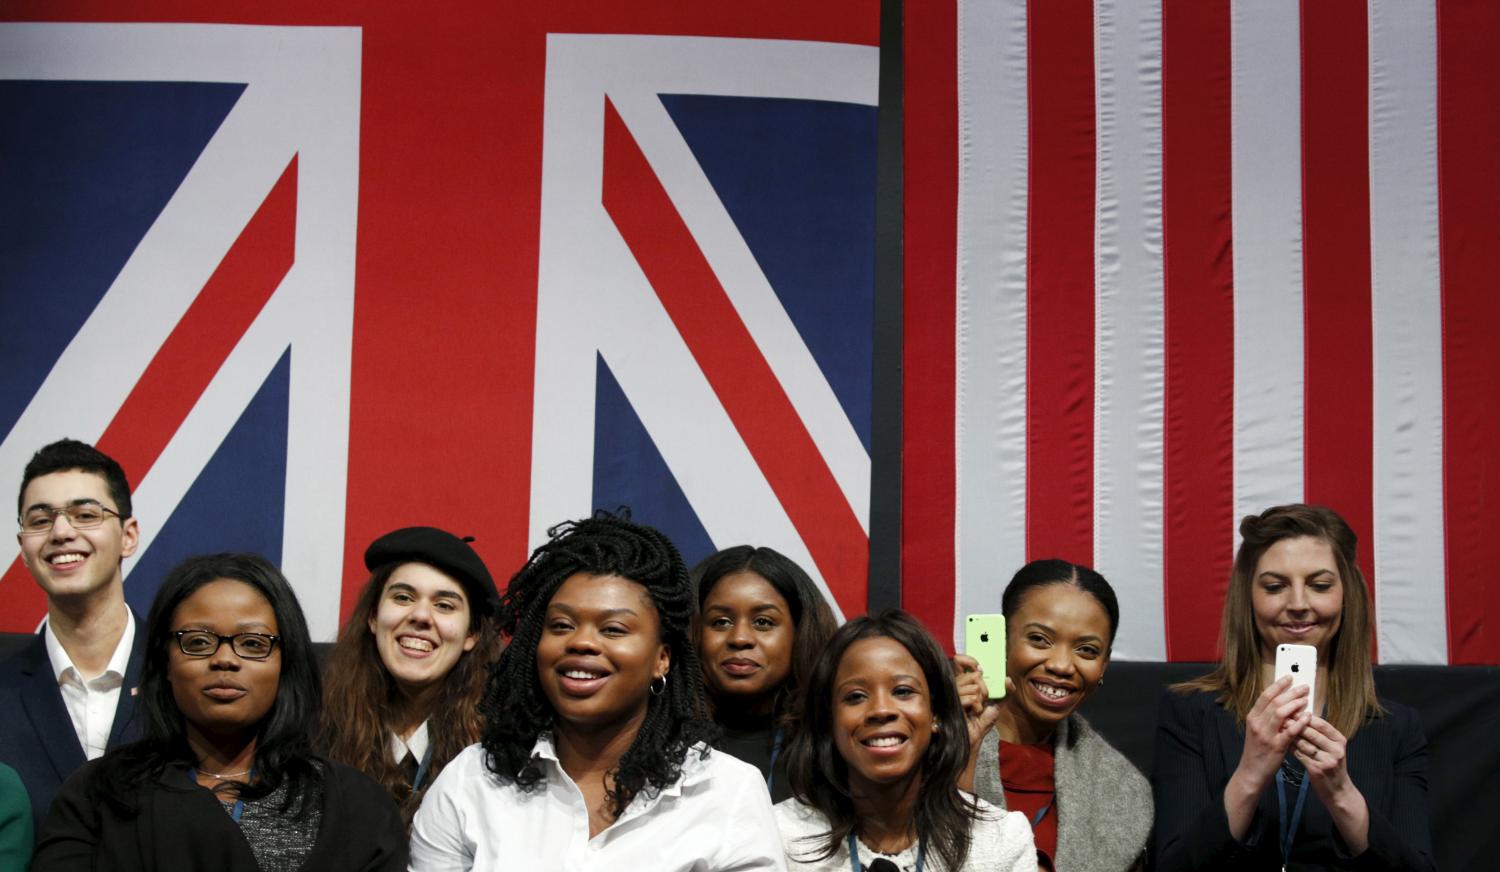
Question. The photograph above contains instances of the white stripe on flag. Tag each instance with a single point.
(1130, 371)
(1266, 154)
(1406, 304)
(990, 394)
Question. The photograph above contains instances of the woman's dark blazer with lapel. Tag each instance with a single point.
(1198, 747)
(182, 826)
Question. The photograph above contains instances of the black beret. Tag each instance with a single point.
(441, 550)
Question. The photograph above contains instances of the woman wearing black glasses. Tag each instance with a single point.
(224, 777)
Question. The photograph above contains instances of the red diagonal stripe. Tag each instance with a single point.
(734, 366)
(186, 362)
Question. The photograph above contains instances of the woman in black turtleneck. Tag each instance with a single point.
(761, 623)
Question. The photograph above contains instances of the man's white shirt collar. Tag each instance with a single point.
(118, 661)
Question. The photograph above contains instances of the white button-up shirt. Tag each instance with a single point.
(716, 818)
(91, 702)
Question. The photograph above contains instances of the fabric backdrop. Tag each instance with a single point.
(313, 273)
(1170, 262)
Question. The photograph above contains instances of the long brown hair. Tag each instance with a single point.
(361, 698)
(1237, 680)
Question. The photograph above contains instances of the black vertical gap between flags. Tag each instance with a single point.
(886, 371)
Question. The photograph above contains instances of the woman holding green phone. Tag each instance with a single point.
(1090, 809)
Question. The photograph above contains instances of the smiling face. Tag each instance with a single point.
(69, 563)
(600, 650)
(882, 713)
(1297, 596)
(421, 626)
(1057, 644)
(747, 637)
(224, 694)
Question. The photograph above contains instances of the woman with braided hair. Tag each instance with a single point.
(595, 751)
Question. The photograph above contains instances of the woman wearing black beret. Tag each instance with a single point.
(404, 681)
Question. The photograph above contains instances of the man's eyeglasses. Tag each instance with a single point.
(202, 643)
(82, 515)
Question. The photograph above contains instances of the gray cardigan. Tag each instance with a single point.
(1103, 803)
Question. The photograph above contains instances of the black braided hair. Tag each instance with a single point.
(515, 709)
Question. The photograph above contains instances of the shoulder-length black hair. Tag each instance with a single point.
(284, 742)
(812, 620)
(820, 777)
(515, 709)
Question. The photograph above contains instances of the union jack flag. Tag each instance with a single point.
(310, 281)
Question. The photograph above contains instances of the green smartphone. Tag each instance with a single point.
(984, 640)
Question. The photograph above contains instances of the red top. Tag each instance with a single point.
(1026, 774)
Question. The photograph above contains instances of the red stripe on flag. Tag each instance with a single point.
(1199, 286)
(744, 382)
(928, 472)
(187, 361)
(1060, 281)
(1338, 422)
(1469, 224)
(25, 603)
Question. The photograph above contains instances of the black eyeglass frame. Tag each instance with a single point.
(233, 641)
(69, 509)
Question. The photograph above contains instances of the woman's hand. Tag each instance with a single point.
(980, 712)
(1321, 749)
(1273, 724)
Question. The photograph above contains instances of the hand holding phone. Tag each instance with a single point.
(984, 640)
(1301, 663)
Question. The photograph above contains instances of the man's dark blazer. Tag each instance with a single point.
(37, 738)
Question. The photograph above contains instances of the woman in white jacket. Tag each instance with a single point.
(875, 758)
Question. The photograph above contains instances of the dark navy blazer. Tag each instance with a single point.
(37, 738)
(1198, 747)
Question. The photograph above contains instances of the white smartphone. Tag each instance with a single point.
(1301, 663)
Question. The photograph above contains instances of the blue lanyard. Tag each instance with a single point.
(1040, 813)
(236, 810)
(1288, 826)
(416, 781)
(775, 752)
(857, 866)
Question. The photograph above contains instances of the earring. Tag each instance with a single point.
(658, 689)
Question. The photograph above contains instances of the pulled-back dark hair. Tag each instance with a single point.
(1237, 680)
(516, 710)
(812, 619)
(1040, 573)
(283, 748)
(68, 454)
(819, 775)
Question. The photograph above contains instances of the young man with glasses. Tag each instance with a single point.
(67, 696)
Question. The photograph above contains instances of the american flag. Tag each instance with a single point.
(1170, 262)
